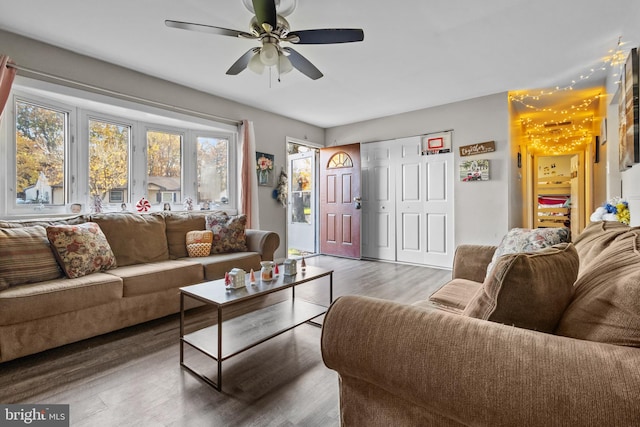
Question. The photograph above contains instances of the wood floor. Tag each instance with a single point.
(132, 377)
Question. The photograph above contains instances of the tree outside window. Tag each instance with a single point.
(41, 133)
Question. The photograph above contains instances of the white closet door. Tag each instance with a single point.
(378, 201)
(438, 210)
(410, 201)
(407, 203)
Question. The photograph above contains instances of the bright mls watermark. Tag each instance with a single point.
(34, 415)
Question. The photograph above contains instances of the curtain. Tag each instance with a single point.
(248, 177)
(6, 80)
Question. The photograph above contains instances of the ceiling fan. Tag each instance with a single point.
(271, 28)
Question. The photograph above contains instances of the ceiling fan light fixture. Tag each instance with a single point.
(255, 64)
(284, 64)
(283, 7)
(269, 54)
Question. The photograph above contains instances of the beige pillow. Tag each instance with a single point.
(595, 238)
(606, 304)
(81, 249)
(528, 290)
(178, 224)
(135, 238)
(26, 257)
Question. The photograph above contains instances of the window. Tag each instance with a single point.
(69, 146)
(109, 160)
(116, 196)
(42, 133)
(164, 167)
(340, 160)
(213, 169)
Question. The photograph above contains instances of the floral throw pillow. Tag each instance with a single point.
(228, 232)
(524, 240)
(81, 249)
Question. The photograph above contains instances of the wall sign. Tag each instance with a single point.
(480, 148)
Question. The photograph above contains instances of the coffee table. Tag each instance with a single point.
(231, 337)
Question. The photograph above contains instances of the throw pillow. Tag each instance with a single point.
(26, 257)
(606, 304)
(595, 238)
(527, 240)
(528, 290)
(135, 238)
(81, 249)
(178, 225)
(228, 232)
(199, 242)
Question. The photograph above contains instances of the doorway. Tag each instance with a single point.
(302, 204)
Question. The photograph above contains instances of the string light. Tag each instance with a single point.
(568, 128)
(615, 57)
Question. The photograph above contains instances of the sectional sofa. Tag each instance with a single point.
(542, 339)
(41, 307)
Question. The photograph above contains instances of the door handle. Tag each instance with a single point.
(358, 202)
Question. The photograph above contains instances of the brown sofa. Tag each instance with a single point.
(152, 264)
(431, 363)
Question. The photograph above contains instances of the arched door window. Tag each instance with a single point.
(340, 160)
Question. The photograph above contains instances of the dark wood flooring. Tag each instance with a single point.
(132, 377)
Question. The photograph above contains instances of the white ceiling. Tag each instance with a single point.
(416, 53)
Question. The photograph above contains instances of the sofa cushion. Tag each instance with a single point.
(527, 240)
(44, 299)
(158, 276)
(595, 238)
(216, 265)
(81, 249)
(178, 225)
(528, 290)
(455, 295)
(26, 257)
(228, 232)
(199, 242)
(135, 238)
(606, 304)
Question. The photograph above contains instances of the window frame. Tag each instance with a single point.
(12, 207)
(183, 161)
(232, 168)
(83, 152)
(82, 106)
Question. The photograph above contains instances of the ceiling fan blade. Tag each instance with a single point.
(329, 35)
(266, 13)
(242, 62)
(207, 29)
(302, 64)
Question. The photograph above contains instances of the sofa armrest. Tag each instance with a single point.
(470, 262)
(475, 372)
(263, 242)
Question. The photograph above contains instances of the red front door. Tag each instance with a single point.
(340, 201)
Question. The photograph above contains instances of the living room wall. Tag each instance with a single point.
(271, 129)
(481, 209)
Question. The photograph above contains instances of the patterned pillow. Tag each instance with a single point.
(524, 240)
(26, 257)
(228, 232)
(199, 242)
(81, 249)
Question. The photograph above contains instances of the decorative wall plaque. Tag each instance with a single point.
(480, 148)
